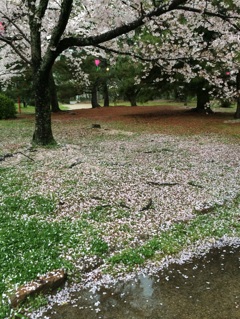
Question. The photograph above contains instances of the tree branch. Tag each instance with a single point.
(109, 35)
(10, 41)
(23, 35)
(139, 57)
(42, 8)
(50, 56)
(214, 14)
(66, 8)
(175, 4)
(209, 13)
(126, 54)
(133, 7)
(19, 53)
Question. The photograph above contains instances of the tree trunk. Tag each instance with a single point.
(131, 94)
(53, 94)
(237, 113)
(133, 100)
(105, 94)
(225, 103)
(43, 131)
(203, 99)
(94, 95)
(132, 97)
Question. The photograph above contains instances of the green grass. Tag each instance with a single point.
(161, 102)
(31, 109)
(222, 221)
(150, 103)
(25, 110)
(30, 243)
(31, 246)
(104, 213)
(28, 248)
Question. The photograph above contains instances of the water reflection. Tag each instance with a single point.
(206, 288)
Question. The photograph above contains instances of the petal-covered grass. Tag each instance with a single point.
(110, 199)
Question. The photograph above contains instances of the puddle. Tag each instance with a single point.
(205, 288)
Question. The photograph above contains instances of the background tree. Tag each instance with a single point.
(124, 74)
(67, 84)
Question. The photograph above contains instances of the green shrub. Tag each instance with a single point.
(7, 107)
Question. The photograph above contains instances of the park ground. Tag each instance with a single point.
(168, 119)
(115, 198)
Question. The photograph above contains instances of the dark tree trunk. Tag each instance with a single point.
(132, 100)
(237, 113)
(225, 103)
(95, 95)
(53, 94)
(131, 94)
(105, 94)
(203, 99)
(43, 131)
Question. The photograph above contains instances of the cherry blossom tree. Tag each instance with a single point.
(38, 31)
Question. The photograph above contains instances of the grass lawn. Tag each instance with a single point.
(114, 199)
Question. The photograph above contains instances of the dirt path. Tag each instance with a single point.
(78, 106)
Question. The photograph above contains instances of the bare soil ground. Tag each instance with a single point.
(158, 119)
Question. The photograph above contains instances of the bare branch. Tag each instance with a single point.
(20, 54)
(209, 13)
(12, 21)
(139, 57)
(226, 18)
(133, 7)
(154, 61)
(10, 42)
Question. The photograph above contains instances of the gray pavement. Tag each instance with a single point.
(78, 106)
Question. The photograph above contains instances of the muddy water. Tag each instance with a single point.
(205, 288)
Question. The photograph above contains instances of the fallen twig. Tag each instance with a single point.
(3, 157)
(162, 184)
(75, 163)
(24, 155)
